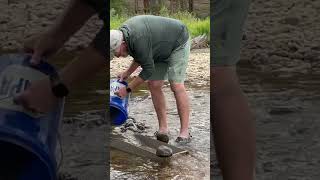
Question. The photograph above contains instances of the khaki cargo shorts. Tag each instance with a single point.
(227, 24)
(175, 67)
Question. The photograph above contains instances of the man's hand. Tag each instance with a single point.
(123, 76)
(41, 46)
(122, 93)
(38, 97)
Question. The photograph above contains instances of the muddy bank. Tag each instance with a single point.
(192, 166)
(198, 71)
(283, 37)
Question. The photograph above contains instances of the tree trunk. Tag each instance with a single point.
(146, 6)
(136, 6)
(172, 5)
(190, 5)
(180, 4)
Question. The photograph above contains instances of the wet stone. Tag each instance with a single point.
(66, 176)
(198, 96)
(268, 166)
(164, 151)
(316, 48)
(134, 126)
(291, 21)
(282, 110)
(87, 119)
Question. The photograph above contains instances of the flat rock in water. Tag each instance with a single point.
(164, 151)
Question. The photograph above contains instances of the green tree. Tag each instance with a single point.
(119, 6)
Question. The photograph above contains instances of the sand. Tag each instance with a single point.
(198, 71)
(22, 19)
(283, 37)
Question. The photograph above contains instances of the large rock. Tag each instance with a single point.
(164, 151)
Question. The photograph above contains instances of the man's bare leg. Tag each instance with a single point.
(234, 127)
(182, 101)
(159, 102)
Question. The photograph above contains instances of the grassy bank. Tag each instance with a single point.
(195, 25)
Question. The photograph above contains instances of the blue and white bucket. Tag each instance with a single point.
(118, 106)
(27, 140)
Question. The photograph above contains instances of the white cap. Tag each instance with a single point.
(116, 38)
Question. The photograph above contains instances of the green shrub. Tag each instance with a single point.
(196, 26)
(116, 20)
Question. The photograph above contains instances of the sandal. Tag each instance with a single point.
(163, 137)
(183, 140)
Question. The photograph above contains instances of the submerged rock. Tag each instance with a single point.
(164, 151)
(280, 110)
(134, 126)
(66, 176)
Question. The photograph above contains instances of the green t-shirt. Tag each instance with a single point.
(152, 39)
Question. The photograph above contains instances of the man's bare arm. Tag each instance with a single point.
(73, 18)
(135, 83)
(85, 65)
(133, 66)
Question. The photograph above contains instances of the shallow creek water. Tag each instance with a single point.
(286, 108)
(194, 165)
